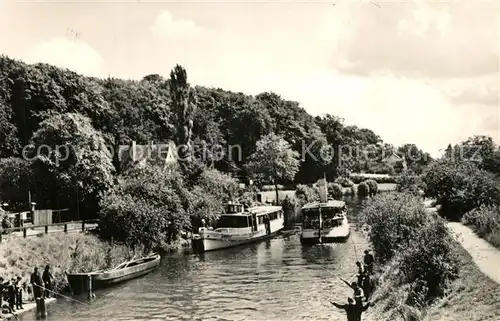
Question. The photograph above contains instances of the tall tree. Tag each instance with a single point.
(274, 160)
(183, 106)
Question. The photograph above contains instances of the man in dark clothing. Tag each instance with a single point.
(368, 260)
(19, 294)
(47, 280)
(353, 311)
(267, 224)
(37, 284)
(12, 294)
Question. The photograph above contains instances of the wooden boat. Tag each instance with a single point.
(236, 227)
(78, 282)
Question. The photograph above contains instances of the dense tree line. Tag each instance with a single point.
(60, 133)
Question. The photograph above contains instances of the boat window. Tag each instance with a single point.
(232, 222)
(261, 220)
(310, 218)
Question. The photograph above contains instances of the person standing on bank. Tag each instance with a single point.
(368, 260)
(19, 294)
(47, 280)
(12, 294)
(37, 284)
(358, 291)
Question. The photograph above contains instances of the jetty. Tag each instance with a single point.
(27, 307)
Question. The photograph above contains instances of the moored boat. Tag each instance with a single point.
(237, 227)
(123, 272)
(324, 222)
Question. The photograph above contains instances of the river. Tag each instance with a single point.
(277, 279)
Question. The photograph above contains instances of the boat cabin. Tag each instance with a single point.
(329, 214)
(236, 217)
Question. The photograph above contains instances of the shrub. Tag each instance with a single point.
(344, 181)
(306, 194)
(460, 187)
(372, 184)
(363, 189)
(291, 206)
(5, 220)
(419, 244)
(485, 221)
(410, 183)
(335, 190)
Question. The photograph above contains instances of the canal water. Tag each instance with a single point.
(277, 279)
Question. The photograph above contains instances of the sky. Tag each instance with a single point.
(413, 72)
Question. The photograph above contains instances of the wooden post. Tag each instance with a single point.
(83, 226)
(24, 232)
(1, 232)
(65, 228)
(89, 286)
(46, 229)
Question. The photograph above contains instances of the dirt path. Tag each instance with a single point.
(485, 255)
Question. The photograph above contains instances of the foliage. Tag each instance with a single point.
(273, 159)
(410, 183)
(15, 176)
(335, 190)
(403, 232)
(183, 105)
(460, 187)
(363, 189)
(373, 186)
(416, 159)
(485, 221)
(5, 221)
(69, 157)
(291, 206)
(147, 207)
(344, 181)
(306, 194)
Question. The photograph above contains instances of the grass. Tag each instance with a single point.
(63, 252)
(472, 297)
(485, 222)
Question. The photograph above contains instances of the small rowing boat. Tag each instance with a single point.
(123, 272)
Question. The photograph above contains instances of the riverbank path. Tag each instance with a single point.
(484, 255)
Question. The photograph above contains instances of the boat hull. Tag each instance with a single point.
(215, 242)
(79, 281)
(328, 235)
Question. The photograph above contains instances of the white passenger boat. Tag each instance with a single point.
(324, 222)
(236, 227)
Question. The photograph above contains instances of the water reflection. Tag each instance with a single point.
(273, 280)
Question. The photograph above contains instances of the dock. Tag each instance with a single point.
(29, 306)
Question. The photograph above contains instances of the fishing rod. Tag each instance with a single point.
(64, 296)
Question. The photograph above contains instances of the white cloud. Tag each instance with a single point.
(73, 54)
(166, 25)
(423, 39)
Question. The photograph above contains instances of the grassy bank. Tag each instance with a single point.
(485, 221)
(423, 273)
(63, 252)
(472, 297)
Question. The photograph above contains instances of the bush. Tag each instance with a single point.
(335, 190)
(363, 190)
(419, 244)
(372, 184)
(344, 181)
(485, 221)
(306, 194)
(410, 183)
(291, 206)
(460, 187)
(5, 220)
